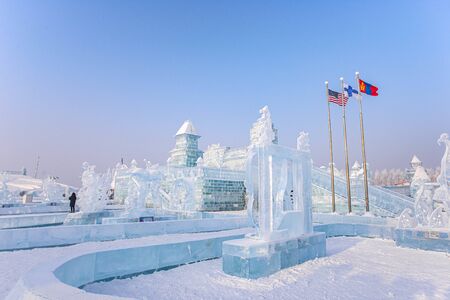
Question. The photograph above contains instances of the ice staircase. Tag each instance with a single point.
(383, 202)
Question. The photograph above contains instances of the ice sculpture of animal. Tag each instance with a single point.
(442, 193)
(279, 184)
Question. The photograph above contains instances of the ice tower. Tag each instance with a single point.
(186, 152)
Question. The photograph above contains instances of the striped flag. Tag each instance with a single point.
(336, 98)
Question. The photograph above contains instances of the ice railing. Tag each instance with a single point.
(380, 198)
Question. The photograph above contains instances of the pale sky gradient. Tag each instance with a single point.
(99, 80)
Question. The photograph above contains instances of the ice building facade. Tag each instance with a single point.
(195, 180)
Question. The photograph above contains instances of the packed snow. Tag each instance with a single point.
(15, 264)
(355, 268)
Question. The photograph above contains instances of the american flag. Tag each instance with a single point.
(336, 97)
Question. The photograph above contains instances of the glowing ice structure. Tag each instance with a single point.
(279, 188)
(431, 210)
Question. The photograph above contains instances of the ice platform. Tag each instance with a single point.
(253, 258)
(435, 239)
(84, 218)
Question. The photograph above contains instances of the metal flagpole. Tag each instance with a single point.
(333, 197)
(363, 144)
(347, 172)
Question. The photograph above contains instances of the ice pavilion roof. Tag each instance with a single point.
(415, 160)
(187, 128)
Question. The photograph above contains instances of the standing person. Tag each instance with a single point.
(73, 199)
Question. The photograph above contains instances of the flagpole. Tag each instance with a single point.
(333, 197)
(347, 171)
(363, 144)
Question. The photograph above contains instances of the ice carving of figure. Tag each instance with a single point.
(303, 142)
(442, 193)
(423, 206)
(406, 219)
(262, 131)
(93, 194)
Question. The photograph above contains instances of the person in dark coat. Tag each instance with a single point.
(73, 199)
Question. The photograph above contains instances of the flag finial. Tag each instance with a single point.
(326, 82)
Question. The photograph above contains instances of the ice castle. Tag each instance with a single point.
(194, 180)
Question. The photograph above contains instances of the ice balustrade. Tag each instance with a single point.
(382, 201)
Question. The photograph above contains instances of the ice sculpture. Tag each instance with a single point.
(142, 184)
(93, 194)
(51, 190)
(5, 194)
(420, 178)
(278, 186)
(213, 156)
(303, 142)
(424, 214)
(440, 217)
(442, 193)
(423, 206)
(136, 197)
(406, 219)
(179, 194)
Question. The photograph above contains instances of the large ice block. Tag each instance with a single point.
(253, 258)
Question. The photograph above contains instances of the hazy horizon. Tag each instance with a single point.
(100, 80)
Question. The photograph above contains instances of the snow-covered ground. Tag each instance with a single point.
(355, 268)
(14, 264)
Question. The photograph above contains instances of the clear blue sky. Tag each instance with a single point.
(98, 80)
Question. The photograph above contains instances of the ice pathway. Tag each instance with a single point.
(356, 268)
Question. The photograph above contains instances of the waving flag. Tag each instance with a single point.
(350, 91)
(367, 88)
(336, 98)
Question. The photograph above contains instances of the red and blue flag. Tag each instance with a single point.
(367, 88)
